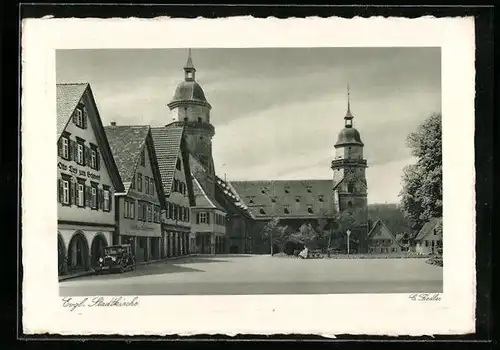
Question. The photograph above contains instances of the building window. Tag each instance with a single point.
(309, 189)
(286, 211)
(250, 201)
(150, 213)
(287, 190)
(106, 200)
(81, 195)
(139, 182)
(273, 200)
(178, 165)
(297, 199)
(262, 211)
(65, 191)
(93, 160)
(132, 209)
(202, 218)
(80, 155)
(310, 210)
(320, 198)
(78, 118)
(94, 197)
(151, 186)
(426, 243)
(199, 119)
(146, 180)
(143, 157)
(126, 209)
(350, 188)
(65, 147)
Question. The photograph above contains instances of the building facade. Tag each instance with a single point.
(381, 240)
(139, 206)
(173, 162)
(429, 240)
(88, 179)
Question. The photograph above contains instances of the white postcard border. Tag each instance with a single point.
(393, 314)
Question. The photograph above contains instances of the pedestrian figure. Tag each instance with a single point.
(303, 254)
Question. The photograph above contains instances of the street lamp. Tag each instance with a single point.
(348, 234)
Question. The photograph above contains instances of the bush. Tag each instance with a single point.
(290, 247)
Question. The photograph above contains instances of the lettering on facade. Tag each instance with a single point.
(79, 172)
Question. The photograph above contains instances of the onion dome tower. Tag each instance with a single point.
(190, 108)
(349, 175)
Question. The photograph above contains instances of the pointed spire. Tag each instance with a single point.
(348, 116)
(189, 63)
(189, 68)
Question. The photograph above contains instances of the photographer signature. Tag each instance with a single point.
(425, 297)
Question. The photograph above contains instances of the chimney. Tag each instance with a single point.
(113, 123)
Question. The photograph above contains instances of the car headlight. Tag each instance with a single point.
(101, 260)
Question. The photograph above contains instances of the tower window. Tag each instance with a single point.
(350, 188)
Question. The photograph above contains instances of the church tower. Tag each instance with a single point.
(190, 108)
(349, 178)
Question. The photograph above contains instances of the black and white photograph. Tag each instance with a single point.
(240, 179)
(174, 180)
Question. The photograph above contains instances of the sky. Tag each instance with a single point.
(276, 111)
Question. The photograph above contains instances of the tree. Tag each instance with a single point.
(422, 192)
(275, 233)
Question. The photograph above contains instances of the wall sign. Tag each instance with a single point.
(79, 172)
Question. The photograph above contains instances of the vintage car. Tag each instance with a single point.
(117, 258)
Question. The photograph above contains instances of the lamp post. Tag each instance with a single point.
(348, 234)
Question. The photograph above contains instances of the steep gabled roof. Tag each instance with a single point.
(376, 225)
(428, 227)
(167, 142)
(201, 197)
(68, 96)
(127, 142)
(229, 194)
(291, 199)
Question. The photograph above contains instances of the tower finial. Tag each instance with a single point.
(348, 99)
(348, 116)
(189, 67)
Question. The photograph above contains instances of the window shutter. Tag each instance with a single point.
(75, 119)
(72, 195)
(87, 155)
(98, 160)
(208, 218)
(100, 199)
(77, 195)
(110, 200)
(197, 218)
(84, 118)
(59, 147)
(88, 196)
(60, 190)
(71, 150)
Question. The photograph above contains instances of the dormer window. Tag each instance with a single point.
(320, 198)
(263, 191)
(286, 211)
(297, 199)
(309, 190)
(310, 210)
(250, 201)
(273, 200)
(262, 211)
(287, 190)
